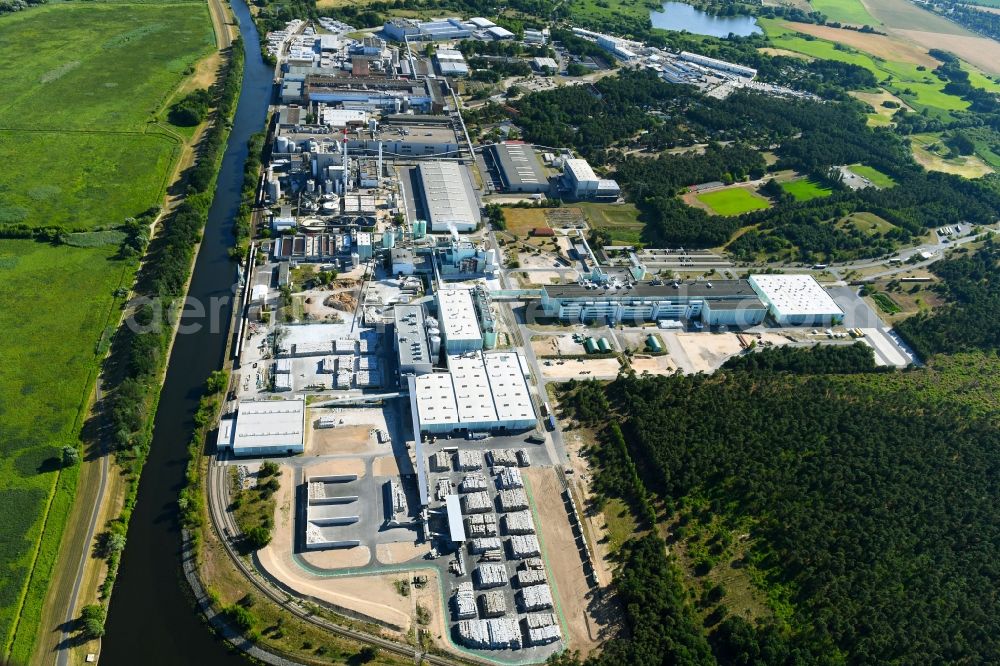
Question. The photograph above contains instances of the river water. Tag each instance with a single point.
(681, 16)
(151, 619)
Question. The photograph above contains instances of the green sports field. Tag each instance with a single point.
(733, 201)
(805, 189)
(82, 92)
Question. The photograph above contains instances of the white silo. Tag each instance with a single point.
(436, 345)
(310, 186)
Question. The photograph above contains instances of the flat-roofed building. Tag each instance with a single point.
(448, 196)
(460, 325)
(797, 300)
(509, 387)
(645, 301)
(266, 427)
(411, 342)
(579, 178)
(518, 167)
(472, 392)
(480, 393)
(435, 400)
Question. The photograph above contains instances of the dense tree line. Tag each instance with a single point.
(141, 346)
(819, 359)
(970, 284)
(871, 497)
(191, 109)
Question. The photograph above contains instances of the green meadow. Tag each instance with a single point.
(733, 201)
(845, 11)
(877, 178)
(82, 91)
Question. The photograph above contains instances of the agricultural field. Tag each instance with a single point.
(877, 178)
(58, 302)
(83, 91)
(845, 11)
(902, 68)
(733, 201)
(620, 220)
(805, 189)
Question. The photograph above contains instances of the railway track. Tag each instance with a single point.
(223, 524)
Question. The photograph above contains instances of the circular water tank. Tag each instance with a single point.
(329, 207)
(434, 332)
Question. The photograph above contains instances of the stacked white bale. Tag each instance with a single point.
(464, 601)
(514, 499)
(519, 522)
(536, 597)
(493, 603)
(477, 502)
(502, 458)
(440, 462)
(491, 575)
(481, 545)
(544, 635)
(534, 563)
(509, 477)
(471, 482)
(536, 620)
(524, 545)
(495, 633)
(470, 460)
(480, 525)
(529, 577)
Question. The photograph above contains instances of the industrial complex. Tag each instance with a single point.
(393, 346)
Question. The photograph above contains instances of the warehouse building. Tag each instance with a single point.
(580, 181)
(451, 62)
(267, 427)
(437, 29)
(448, 197)
(732, 302)
(518, 167)
(460, 324)
(482, 393)
(797, 300)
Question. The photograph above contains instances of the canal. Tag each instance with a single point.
(151, 619)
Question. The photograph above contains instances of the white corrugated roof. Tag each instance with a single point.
(793, 295)
(269, 423)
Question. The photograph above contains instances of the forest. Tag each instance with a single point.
(970, 284)
(867, 499)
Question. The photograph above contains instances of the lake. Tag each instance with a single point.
(680, 16)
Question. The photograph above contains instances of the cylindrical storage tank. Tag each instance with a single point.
(435, 345)
(431, 322)
(329, 207)
(388, 240)
(434, 331)
(653, 343)
(604, 345)
(490, 339)
(328, 186)
(310, 185)
(283, 144)
(590, 345)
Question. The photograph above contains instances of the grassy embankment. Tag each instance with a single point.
(82, 86)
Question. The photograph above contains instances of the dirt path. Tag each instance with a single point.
(565, 565)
